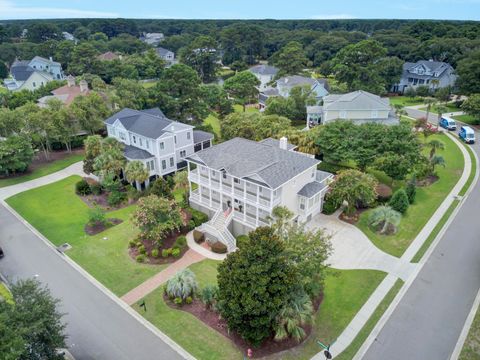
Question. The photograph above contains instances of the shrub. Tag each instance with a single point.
(178, 301)
(209, 295)
(82, 187)
(96, 188)
(411, 191)
(180, 242)
(166, 253)
(241, 240)
(198, 217)
(188, 300)
(182, 285)
(140, 258)
(155, 253)
(384, 192)
(175, 252)
(384, 217)
(191, 225)
(115, 198)
(399, 201)
(132, 243)
(96, 215)
(219, 248)
(198, 236)
(329, 206)
(141, 249)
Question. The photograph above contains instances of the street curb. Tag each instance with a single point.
(466, 328)
(182, 352)
(393, 305)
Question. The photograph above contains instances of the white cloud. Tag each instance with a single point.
(333, 16)
(8, 10)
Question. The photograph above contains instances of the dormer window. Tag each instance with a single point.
(188, 135)
(134, 139)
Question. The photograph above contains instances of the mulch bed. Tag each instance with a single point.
(167, 243)
(429, 180)
(390, 230)
(101, 200)
(40, 161)
(352, 219)
(213, 320)
(98, 228)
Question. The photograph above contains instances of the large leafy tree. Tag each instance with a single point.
(468, 71)
(129, 93)
(242, 42)
(93, 148)
(201, 55)
(216, 99)
(355, 188)
(254, 284)
(294, 106)
(90, 111)
(252, 125)
(110, 160)
(16, 154)
(243, 87)
(32, 326)
(290, 59)
(472, 106)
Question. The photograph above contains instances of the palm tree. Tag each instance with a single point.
(385, 216)
(441, 109)
(400, 111)
(136, 172)
(297, 312)
(434, 146)
(437, 160)
(429, 102)
(182, 285)
(181, 180)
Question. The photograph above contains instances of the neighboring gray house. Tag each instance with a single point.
(433, 74)
(284, 85)
(159, 143)
(32, 74)
(239, 182)
(152, 38)
(167, 55)
(358, 106)
(264, 73)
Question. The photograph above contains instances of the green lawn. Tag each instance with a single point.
(148, 85)
(239, 108)
(426, 203)
(471, 348)
(467, 119)
(49, 168)
(214, 122)
(450, 108)
(60, 215)
(345, 293)
(471, 177)
(405, 101)
(353, 348)
(5, 294)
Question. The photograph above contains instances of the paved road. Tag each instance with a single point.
(98, 327)
(429, 319)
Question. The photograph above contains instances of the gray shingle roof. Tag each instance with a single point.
(276, 143)
(21, 71)
(296, 80)
(312, 189)
(356, 100)
(264, 69)
(134, 153)
(201, 136)
(432, 65)
(154, 111)
(162, 51)
(144, 123)
(260, 162)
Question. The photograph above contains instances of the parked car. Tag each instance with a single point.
(467, 134)
(448, 123)
(1, 253)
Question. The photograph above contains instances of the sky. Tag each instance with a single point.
(242, 9)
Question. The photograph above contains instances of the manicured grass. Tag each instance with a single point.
(345, 293)
(427, 201)
(49, 168)
(471, 348)
(467, 119)
(450, 108)
(5, 294)
(60, 215)
(473, 159)
(239, 108)
(214, 122)
(148, 85)
(405, 101)
(353, 348)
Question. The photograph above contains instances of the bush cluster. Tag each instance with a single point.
(399, 201)
(82, 188)
(198, 217)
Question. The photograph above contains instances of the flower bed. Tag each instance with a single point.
(99, 227)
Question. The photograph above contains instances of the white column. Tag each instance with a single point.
(210, 187)
(256, 216)
(271, 198)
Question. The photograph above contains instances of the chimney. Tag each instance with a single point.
(283, 143)
(51, 59)
(83, 86)
(70, 80)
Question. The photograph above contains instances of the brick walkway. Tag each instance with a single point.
(134, 295)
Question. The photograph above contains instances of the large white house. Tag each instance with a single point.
(32, 74)
(264, 73)
(358, 106)
(432, 74)
(239, 182)
(159, 143)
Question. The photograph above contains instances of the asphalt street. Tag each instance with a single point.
(428, 321)
(97, 326)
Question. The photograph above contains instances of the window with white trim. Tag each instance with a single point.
(140, 141)
(183, 153)
(152, 164)
(122, 135)
(164, 164)
(147, 143)
(134, 139)
(343, 114)
(162, 145)
(302, 203)
(188, 135)
(175, 139)
(172, 162)
(374, 114)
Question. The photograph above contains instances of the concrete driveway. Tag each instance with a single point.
(353, 250)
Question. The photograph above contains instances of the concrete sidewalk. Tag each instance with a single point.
(74, 169)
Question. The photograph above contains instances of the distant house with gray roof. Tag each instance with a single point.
(429, 73)
(239, 182)
(319, 87)
(32, 74)
(166, 55)
(264, 73)
(161, 144)
(358, 106)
